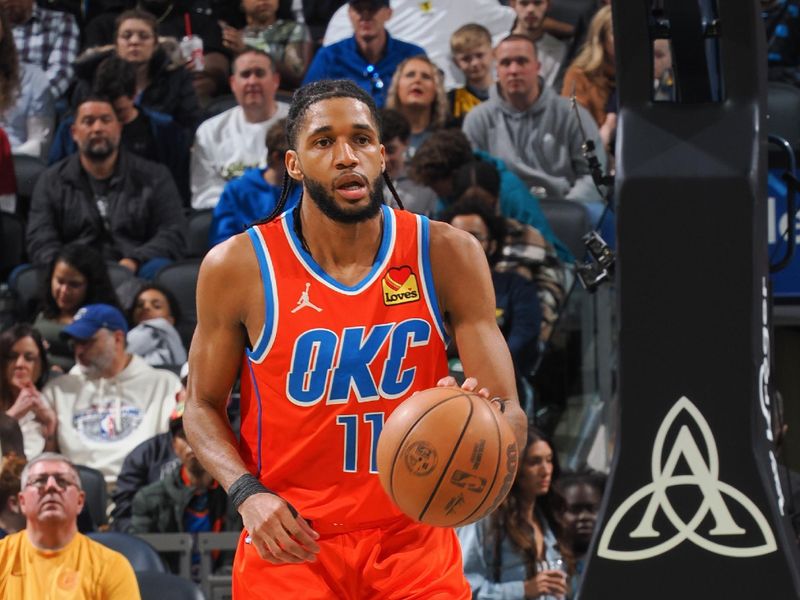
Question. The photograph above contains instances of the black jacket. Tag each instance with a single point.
(145, 215)
(170, 90)
(150, 461)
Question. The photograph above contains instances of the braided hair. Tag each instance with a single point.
(302, 100)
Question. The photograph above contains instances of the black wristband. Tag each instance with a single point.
(247, 485)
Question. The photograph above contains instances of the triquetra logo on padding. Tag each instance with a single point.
(704, 475)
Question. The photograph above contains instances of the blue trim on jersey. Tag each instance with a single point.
(260, 420)
(311, 264)
(265, 339)
(427, 274)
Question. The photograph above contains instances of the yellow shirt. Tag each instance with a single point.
(82, 570)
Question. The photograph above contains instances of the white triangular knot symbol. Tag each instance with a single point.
(705, 476)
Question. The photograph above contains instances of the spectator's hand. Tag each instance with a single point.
(549, 582)
(45, 415)
(278, 537)
(189, 65)
(129, 264)
(232, 38)
(25, 402)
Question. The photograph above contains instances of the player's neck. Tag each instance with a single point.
(345, 251)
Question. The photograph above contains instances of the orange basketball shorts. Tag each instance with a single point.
(403, 560)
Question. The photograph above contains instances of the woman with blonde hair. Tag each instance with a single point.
(592, 75)
(417, 92)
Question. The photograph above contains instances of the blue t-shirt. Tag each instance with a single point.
(244, 201)
(343, 60)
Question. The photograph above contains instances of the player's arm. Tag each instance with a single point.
(214, 359)
(227, 283)
(466, 295)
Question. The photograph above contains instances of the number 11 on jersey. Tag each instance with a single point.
(351, 426)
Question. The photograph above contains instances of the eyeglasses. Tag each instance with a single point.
(40, 483)
(374, 77)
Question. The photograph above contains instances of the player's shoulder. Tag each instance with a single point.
(235, 256)
(445, 234)
(450, 244)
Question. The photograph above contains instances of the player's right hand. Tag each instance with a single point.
(470, 384)
(278, 537)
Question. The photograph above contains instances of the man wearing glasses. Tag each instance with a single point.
(50, 559)
(369, 57)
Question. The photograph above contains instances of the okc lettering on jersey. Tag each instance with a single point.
(353, 351)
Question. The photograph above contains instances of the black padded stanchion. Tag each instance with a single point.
(693, 507)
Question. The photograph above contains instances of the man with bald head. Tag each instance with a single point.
(49, 558)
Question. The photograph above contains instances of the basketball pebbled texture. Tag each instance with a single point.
(446, 457)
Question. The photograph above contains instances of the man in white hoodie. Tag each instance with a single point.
(111, 400)
(227, 144)
(532, 129)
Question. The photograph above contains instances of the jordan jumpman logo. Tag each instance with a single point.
(304, 302)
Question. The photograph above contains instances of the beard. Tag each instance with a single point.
(99, 149)
(96, 368)
(328, 206)
(101, 361)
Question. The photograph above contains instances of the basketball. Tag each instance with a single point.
(446, 457)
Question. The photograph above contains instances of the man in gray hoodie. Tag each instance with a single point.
(532, 129)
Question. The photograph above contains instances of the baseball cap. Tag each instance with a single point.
(374, 3)
(92, 317)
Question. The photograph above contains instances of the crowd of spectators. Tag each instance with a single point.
(140, 135)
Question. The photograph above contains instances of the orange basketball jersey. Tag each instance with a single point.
(331, 364)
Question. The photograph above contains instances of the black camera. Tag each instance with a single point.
(599, 267)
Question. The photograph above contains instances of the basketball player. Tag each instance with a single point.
(343, 307)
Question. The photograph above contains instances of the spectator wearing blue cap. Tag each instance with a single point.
(111, 400)
(370, 57)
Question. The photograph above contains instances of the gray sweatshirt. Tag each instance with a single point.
(541, 144)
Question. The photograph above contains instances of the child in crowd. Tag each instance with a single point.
(471, 47)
